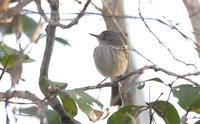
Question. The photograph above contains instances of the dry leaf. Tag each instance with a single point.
(4, 5)
(19, 26)
(37, 32)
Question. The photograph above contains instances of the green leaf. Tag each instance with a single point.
(155, 79)
(84, 101)
(166, 111)
(47, 85)
(28, 26)
(2, 54)
(10, 60)
(30, 111)
(141, 84)
(197, 122)
(125, 115)
(69, 105)
(195, 107)
(53, 117)
(12, 56)
(188, 96)
(62, 41)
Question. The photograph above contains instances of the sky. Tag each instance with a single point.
(74, 64)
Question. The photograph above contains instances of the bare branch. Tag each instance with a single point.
(139, 72)
(96, 7)
(79, 2)
(160, 42)
(55, 23)
(168, 24)
(42, 13)
(29, 96)
(51, 29)
(75, 20)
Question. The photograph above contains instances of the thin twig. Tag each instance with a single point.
(167, 101)
(75, 20)
(139, 72)
(168, 24)
(159, 41)
(141, 55)
(5, 96)
(96, 7)
(79, 2)
(55, 23)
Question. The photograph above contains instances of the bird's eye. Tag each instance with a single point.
(104, 36)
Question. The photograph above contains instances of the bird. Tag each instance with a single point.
(111, 60)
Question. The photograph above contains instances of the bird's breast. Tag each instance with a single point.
(110, 61)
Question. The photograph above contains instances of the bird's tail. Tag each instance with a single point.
(115, 94)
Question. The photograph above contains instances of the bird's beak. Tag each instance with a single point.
(93, 35)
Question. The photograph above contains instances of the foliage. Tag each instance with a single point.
(126, 115)
(188, 96)
(74, 100)
(32, 111)
(14, 56)
(70, 98)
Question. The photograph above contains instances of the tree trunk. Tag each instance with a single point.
(112, 9)
(193, 9)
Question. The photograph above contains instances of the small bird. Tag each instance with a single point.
(111, 59)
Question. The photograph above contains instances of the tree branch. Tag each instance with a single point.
(57, 23)
(160, 42)
(29, 96)
(51, 30)
(141, 71)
